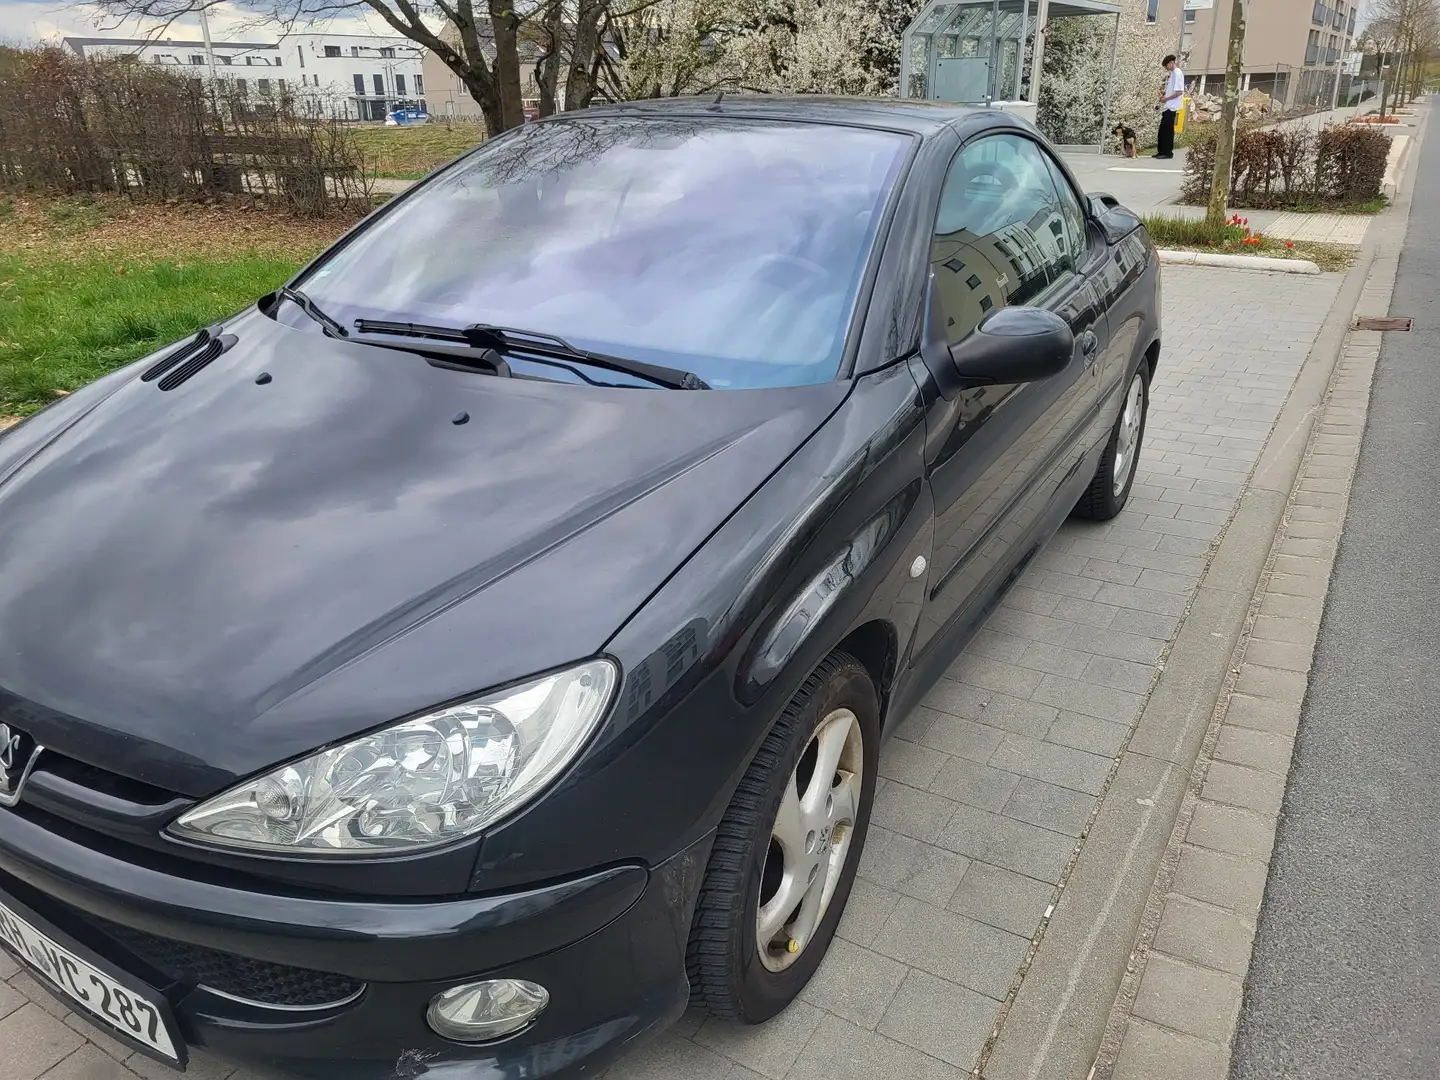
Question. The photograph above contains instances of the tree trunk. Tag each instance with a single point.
(547, 71)
(505, 26)
(1229, 114)
(580, 83)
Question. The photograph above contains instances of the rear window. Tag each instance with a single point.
(732, 248)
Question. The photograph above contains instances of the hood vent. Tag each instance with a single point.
(180, 352)
(214, 348)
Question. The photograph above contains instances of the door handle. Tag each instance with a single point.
(1089, 346)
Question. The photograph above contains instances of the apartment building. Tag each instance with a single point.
(1294, 49)
(351, 76)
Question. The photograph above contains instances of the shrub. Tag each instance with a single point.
(1288, 168)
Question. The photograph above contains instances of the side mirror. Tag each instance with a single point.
(1013, 345)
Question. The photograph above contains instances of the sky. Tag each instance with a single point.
(25, 22)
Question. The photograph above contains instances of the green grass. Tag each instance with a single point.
(64, 324)
(409, 153)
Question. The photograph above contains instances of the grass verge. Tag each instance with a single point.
(87, 285)
(410, 153)
(1193, 234)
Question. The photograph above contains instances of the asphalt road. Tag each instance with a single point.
(1345, 979)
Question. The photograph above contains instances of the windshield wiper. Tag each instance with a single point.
(305, 304)
(508, 341)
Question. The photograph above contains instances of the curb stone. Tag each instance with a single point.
(1178, 1006)
(1237, 262)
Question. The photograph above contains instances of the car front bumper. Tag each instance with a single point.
(609, 947)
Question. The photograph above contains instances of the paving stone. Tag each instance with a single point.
(1054, 660)
(996, 677)
(910, 811)
(855, 983)
(1002, 898)
(1132, 596)
(962, 738)
(1188, 998)
(10, 1000)
(1101, 702)
(1232, 830)
(998, 646)
(38, 995)
(1289, 607)
(33, 1041)
(1121, 644)
(202, 1066)
(1088, 733)
(1147, 624)
(912, 868)
(1205, 935)
(1256, 749)
(910, 763)
(669, 1057)
(840, 1050)
(1150, 1052)
(1300, 585)
(1103, 570)
(1280, 716)
(90, 1063)
(1239, 785)
(956, 698)
(1023, 624)
(1019, 716)
(1003, 841)
(769, 1048)
(86, 1030)
(1226, 881)
(1055, 808)
(1062, 765)
(978, 785)
(8, 966)
(1120, 674)
(953, 947)
(866, 912)
(1266, 682)
(1086, 612)
(1291, 631)
(1279, 655)
(940, 1019)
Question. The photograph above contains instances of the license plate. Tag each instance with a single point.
(118, 1006)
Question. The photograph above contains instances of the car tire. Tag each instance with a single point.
(731, 976)
(1109, 488)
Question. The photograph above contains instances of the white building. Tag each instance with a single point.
(354, 76)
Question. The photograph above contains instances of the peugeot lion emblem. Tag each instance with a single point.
(17, 754)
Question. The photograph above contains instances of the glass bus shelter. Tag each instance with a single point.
(977, 52)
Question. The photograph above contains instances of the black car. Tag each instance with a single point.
(482, 647)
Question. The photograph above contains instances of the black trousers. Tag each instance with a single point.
(1165, 143)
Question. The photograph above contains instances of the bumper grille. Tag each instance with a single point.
(239, 976)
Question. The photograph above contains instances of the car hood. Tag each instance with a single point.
(205, 581)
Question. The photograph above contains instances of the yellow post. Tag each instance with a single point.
(1180, 116)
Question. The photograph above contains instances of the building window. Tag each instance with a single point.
(400, 85)
(240, 86)
(1312, 47)
(1152, 10)
(1189, 14)
(263, 85)
(281, 84)
(354, 50)
(379, 81)
(1319, 13)
(419, 84)
(300, 54)
(332, 50)
(227, 60)
(197, 60)
(388, 54)
(360, 85)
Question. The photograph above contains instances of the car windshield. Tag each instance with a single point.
(732, 248)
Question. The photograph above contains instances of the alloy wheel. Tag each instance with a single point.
(810, 840)
(1127, 438)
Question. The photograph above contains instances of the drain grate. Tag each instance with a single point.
(1379, 322)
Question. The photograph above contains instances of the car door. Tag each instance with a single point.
(996, 454)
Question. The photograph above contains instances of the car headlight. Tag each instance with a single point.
(425, 781)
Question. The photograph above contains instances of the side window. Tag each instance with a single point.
(1070, 209)
(999, 234)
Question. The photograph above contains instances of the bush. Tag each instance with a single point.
(72, 126)
(1282, 168)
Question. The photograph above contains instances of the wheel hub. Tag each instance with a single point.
(810, 840)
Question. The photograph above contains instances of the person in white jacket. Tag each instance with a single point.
(1170, 99)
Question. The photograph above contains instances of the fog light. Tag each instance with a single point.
(485, 1011)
